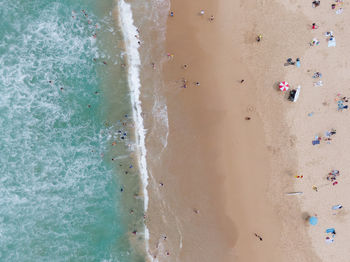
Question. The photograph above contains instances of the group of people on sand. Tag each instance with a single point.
(201, 13)
(184, 82)
(329, 134)
(341, 103)
(330, 235)
(332, 176)
(327, 137)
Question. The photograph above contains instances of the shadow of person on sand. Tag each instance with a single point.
(305, 216)
(276, 86)
(290, 172)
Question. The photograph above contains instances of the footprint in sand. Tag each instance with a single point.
(292, 140)
(341, 216)
(251, 109)
(273, 150)
(313, 162)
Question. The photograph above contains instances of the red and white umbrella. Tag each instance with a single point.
(284, 86)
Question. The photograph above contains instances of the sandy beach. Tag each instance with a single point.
(223, 178)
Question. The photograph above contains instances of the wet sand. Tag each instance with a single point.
(223, 177)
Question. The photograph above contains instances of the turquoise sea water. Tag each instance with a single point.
(62, 198)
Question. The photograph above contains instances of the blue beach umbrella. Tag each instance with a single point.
(313, 220)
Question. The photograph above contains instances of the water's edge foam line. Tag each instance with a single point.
(129, 31)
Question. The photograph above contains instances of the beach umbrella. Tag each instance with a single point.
(284, 86)
(313, 220)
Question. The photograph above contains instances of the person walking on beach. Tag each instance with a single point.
(314, 26)
(260, 238)
(316, 4)
(184, 83)
(259, 38)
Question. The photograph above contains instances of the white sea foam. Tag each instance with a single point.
(129, 31)
(160, 113)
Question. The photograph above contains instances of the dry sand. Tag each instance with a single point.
(315, 162)
(225, 177)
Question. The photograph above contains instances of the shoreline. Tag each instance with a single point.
(129, 31)
(142, 38)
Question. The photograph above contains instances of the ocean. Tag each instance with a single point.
(73, 169)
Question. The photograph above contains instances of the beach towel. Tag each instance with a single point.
(318, 83)
(330, 230)
(327, 34)
(337, 207)
(332, 43)
(341, 107)
(339, 11)
(315, 142)
(329, 240)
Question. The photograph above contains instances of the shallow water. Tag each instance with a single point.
(62, 197)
